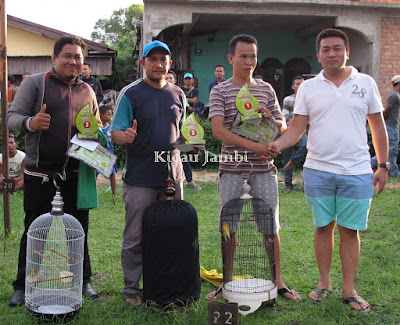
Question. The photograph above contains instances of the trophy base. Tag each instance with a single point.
(251, 117)
(94, 136)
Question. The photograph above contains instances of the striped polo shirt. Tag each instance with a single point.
(223, 103)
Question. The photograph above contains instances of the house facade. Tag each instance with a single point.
(30, 46)
(198, 33)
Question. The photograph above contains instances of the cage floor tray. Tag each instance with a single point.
(54, 310)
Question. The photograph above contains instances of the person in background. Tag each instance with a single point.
(219, 72)
(26, 74)
(106, 117)
(16, 164)
(290, 155)
(191, 93)
(187, 168)
(92, 81)
(12, 88)
(391, 114)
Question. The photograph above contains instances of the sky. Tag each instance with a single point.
(66, 16)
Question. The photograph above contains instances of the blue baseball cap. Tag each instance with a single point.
(155, 44)
(188, 75)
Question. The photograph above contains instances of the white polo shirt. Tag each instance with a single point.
(337, 139)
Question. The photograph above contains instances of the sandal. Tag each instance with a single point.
(322, 294)
(287, 190)
(194, 187)
(357, 300)
(283, 291)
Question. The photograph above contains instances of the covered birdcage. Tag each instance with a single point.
(247, 230)
(54, 263)
(171, 267)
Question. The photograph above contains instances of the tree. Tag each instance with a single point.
(119, 33)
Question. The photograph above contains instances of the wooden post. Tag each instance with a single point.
(4, 108)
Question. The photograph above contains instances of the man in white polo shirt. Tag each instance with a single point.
(338, 179)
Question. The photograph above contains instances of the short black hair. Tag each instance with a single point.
(296, 78)
(173, 73)
(332, 32)
(11, 78)
(219, 66)
(73, 40)
(241, 38)
(87, 63)
(104, 108)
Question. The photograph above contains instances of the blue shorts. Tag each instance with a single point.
(345, 198)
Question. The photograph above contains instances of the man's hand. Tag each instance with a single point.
(41, 121)
(130, 133)
(273, 149)
(380, 178)
(265, 112)
(263, 150)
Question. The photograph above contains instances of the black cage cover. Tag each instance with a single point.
(171, 270)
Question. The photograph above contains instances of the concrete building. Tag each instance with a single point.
(198, 32)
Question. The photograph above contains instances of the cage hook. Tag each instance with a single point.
(55, 180)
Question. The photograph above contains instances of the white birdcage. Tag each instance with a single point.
(54, 263)
(248, 228)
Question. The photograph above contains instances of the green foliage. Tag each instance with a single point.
(119, 33)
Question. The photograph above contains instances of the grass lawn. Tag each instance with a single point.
(377, 280)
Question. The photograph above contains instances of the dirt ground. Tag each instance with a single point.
(201, 175)
(206, 176)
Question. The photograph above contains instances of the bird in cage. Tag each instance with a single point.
(54, 264)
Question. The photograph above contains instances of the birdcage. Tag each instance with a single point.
(171, 268)
(54, 263)
(247, 228)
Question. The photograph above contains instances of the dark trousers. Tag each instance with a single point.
(37, 201)
(294, 155)
(188, 171)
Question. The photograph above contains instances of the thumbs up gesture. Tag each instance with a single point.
(41, 121)
(130, 133)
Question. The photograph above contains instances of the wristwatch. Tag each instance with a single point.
(385, 165)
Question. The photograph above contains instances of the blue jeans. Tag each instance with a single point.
(393, 135)
(289, 154)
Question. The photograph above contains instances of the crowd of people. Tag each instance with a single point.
(338, 178)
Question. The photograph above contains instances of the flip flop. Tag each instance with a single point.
(357, 300)
(284, 290)
(195, 187)
(320, 292)
(287, 190)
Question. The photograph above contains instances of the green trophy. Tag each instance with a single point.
(192, 131)
(86, 123)
(247, 104)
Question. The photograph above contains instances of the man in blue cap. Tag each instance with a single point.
(192, 93)
(147, 118)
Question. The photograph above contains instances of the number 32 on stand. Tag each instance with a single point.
(222, 313)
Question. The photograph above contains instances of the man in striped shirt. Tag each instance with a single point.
(262, 175)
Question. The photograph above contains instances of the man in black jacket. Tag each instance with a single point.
(92, 81)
